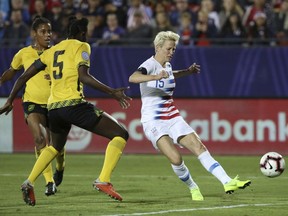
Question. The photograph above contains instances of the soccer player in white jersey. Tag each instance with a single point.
(161, 120)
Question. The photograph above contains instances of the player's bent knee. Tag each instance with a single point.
(40, 142)
(58, 147)
(125, 134)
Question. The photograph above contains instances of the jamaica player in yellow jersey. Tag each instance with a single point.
(68, 63)
(35, 97)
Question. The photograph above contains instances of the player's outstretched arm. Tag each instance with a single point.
(7, 75)
(30, 72)
(194, 68)
(138, 77)
(119, 93)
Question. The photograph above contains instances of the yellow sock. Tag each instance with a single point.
(60, 160)
(44, 159)
(47, 173)
(112, 156)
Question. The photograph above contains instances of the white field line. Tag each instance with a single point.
(196, 209)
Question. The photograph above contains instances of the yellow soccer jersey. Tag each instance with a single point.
(62, 61)
(37, 89)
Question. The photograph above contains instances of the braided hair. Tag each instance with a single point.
(76, 26)
(37, 21)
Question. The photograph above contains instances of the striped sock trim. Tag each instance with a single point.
(185, 178)
(213, 167)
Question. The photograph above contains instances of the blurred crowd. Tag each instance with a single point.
(198, 22)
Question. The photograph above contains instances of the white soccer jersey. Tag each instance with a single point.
(156, 95)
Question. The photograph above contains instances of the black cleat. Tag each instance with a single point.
(50, 189)
(58, 177)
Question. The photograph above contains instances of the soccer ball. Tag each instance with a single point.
(272, 164)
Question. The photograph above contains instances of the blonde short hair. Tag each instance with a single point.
(162, 36)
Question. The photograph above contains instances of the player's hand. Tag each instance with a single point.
(6, 108)
(119, 95)
(194, 68)
(162, 75)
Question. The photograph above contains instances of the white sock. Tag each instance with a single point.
(212, 166)
(184, 175)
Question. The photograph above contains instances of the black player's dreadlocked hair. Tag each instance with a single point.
(37, 21)
(76, 26)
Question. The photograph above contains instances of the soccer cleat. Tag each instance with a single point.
(235, 184)
(58, 177)
(196, 194)
(107, 187)
(50, 189)
(28, 193)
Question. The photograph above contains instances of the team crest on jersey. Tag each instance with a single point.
(85, 56)
(31, 107)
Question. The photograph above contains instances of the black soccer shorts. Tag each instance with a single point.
(30, 107)
(83, 115)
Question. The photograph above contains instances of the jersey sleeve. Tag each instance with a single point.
(39, 65)
(145, 68)
(17, 63)
(82, 56)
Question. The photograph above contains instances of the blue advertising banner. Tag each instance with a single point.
(226, 72)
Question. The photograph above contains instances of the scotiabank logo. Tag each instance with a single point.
(215, 128)
(242, 130)
(246, 126)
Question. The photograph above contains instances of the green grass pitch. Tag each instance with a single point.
(148, 186)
